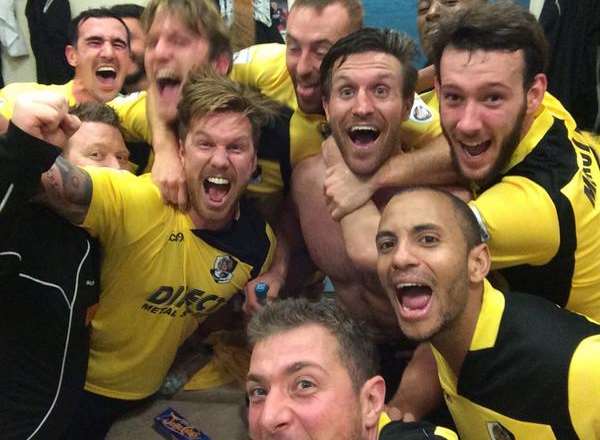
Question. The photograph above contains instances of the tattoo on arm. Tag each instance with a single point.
(68, 190)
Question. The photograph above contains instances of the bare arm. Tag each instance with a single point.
(67, 190)
(425, 80)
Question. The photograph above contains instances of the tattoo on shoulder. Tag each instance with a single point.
(77, 184)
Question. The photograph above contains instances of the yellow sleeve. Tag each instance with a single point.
(422, 125)
(272, 245)
(521, 220)
(132, 115)
(584, 388)
(8, 95)
(123, 207)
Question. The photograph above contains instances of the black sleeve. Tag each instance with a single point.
(23, 159)
(398, 430)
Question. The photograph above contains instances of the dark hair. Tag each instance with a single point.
(127, 10)
(206, 92)
(96, 112)
(353, 7)
(467, 221)
(501, 26)
(355, 345)
(73, 32)
(386, 41)
(200, 16)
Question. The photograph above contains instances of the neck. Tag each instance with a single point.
(80, 93)
(454, 341)
(211, 225)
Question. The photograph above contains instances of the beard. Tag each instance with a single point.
(507, 148)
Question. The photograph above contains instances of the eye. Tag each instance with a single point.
(95, 155)
(385, 245)
(452, 99)
(424, 7)
(346, 92)
(429, 240)
(304, 385)
(119, 44)
(256, 394)
(382, 91)
(493, 99)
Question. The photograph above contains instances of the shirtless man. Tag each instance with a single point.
(368, 85)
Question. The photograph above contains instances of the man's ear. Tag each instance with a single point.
(372, 397)
(222, 63)
(71, 55)
(535, 94)
(479, 262)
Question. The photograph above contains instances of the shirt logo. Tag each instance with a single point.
(223, 268)
(176, 237)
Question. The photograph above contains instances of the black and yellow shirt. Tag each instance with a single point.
(542, 217)
(531, 372)
(159, 278)
(399, 430)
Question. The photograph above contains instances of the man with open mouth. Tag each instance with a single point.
(512, 365)
(157, 273)
(99, 54)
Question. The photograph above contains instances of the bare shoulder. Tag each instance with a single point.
(308, 176)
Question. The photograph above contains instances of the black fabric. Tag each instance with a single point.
(246, 238)
(551, 165)
(573, 30)
(393, 359)
(49, 277)
(275, 144)
(265, 34)
(48, 31)
(499, 377)
(398, 430)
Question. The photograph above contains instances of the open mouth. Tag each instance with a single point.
(168, 85)
(476, 149)
(106, 73)
(216, 188)
(363, 135)
(414, 299)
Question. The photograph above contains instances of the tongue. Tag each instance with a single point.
(216, 193)
(477, 149)
(415, 297)
(170, 92)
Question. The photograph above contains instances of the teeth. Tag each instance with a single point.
(404, 285)
(218, 180)
(357, 128)
(106, 69)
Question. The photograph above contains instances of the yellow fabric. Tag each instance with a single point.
(439, 431)
(10, 93)
(156, 284)
(474, 421)
(523, 218)
(263, 66)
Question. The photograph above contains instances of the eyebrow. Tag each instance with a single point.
(293, 368)
(346, 77)
(415, 229)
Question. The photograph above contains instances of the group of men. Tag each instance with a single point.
(411, 264)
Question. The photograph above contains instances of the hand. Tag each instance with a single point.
(273, 280)
(345, 192)
(394, 413)
(167, 173)
(45, 115)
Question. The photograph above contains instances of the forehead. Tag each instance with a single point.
(310, 24)
(99, 134)
(134, 25)
(172, 20)
(486, 66)
(454, 4)
(102, 26)
(367, 64)
(408, 210)
(311, 344)
(224, 124)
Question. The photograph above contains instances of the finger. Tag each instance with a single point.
(182, 196)
(70, 124)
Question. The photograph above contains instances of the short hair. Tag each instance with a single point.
(353, 7)
(467, 221)
(208, 92)
(73, 32)
(96, 112)
(200, 16)
(356, 348)
(388, 41)
(127, 10)
(501, 26)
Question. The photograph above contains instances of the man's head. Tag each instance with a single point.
(368, 85)
(312, 374)
(98, 50)
(131, 14)
(182, 35)
(431, 261)
(219, 124)
(98, 141)
(429, 14)
(313, 26)
(490, 62)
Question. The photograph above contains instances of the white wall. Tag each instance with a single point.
(23, 69)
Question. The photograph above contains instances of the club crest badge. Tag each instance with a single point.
(499, 432)
(223, 268)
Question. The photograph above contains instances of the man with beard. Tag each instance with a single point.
(158, 270)
(99, 53)
(368, 88)
(131, 14)
(512, 365)
(313, 374)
